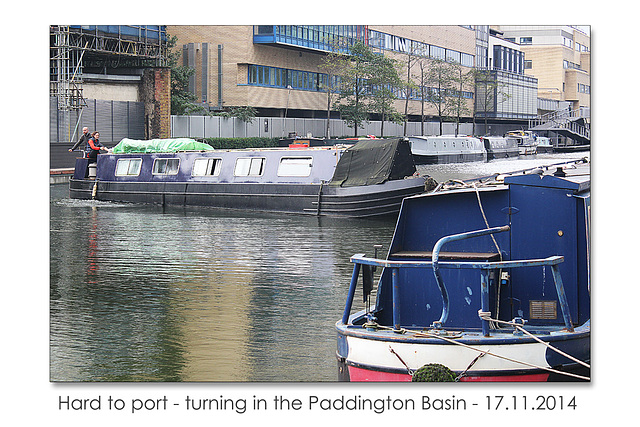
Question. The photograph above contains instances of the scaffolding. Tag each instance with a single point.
(65, 81)
(75, 48)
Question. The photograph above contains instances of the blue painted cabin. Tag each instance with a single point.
(547, 215)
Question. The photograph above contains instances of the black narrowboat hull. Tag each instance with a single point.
(449, 158)
(309, 199)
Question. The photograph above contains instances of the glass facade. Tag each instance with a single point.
(261, 75)
(514, 96)
(320, 37)
(328, 37)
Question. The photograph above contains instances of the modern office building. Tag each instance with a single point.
(504, 94)
(559, 56)
(277, 68)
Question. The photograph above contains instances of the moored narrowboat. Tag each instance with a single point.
(499, 147)
(446, 149)
(490, 280)
(369, 178)
(526, 140)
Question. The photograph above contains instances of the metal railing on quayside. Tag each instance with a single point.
(435, 264)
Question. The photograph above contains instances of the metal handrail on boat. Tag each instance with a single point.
(435, 264)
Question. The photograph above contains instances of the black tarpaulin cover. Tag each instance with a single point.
(374, 161)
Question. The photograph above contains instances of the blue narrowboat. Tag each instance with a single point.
(367, 179)
(488, 279)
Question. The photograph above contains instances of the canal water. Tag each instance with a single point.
(145, 293)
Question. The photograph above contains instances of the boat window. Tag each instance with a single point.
(128, 167)
(166, 166)
(206, 166)
(249, 166)
(295, 166)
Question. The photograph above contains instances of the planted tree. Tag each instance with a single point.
(489, 94)
(414, 55)
(355, 88)
(384, 80)
(334, 65)
(439, 78)
(462, 79)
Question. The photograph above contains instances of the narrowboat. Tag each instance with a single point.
(499, 147)
(446, 149)
(526, 140)
(367, 179)
(544, 145)
(488, 280)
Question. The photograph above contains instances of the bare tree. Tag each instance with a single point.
(457, 104)
(489, 94)
(439, 78)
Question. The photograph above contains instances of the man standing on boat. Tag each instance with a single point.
(84, 138)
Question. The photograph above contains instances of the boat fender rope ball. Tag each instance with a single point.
(433, 372)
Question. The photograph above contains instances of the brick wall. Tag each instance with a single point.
(156, 95)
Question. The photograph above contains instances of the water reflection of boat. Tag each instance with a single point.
(509, 300)
(369, 178)
(446, 149)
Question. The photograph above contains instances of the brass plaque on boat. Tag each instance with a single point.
(543, 310)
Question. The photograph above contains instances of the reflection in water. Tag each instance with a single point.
(142, 294)
(139, 293)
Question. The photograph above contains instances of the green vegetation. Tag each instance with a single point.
(234, 143)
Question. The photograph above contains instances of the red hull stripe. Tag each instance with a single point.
(359, 374)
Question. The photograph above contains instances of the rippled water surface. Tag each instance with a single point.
(141, 293)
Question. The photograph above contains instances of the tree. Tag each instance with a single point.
(488, 89)
(244, 114)
(334, 64)
(457, 105)
(439, 77)
(355, 87)
(409, 86)
(422, 87)
(183, 102)
(384, 80)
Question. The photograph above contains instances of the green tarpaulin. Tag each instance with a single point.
(169, 145)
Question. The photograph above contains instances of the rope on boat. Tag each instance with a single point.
(487, 316)
(452, 341)
(486, 222)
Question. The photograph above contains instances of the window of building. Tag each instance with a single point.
(166, 166)
(526, 40)
(466, 60)
(453, 55)
(528, 64)
(295, 166)
(128, 167)
(437, 52)
(249, 166)
(206, 167)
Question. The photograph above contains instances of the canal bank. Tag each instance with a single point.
(60, 176)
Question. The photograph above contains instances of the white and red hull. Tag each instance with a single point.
(387, 356)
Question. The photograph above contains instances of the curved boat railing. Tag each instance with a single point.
(484, 266)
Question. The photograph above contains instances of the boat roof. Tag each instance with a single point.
(574, 176)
